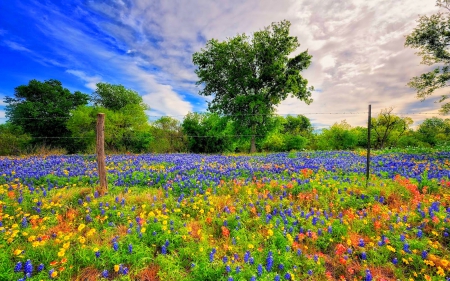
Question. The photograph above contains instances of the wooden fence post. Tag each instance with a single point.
(101, 153)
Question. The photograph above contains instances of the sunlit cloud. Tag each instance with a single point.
(357, 46)
(91, 81)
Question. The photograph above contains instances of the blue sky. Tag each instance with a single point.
(357, 46)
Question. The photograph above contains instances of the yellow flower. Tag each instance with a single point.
(250, 246)
(18, 252)
(82, 239)
(116, 268)
(66, 245)
(54, 274)
(440, 271)
(81, 227)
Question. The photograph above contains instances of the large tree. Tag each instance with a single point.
(42, 109)
(388, 127)
(432, 38)
(249, 76)
(116, 97)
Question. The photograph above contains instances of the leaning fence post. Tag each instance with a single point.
(368, 146)
(101, 153)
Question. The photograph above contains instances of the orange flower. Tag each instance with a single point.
(225, 231)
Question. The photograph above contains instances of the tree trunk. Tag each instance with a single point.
(253, 144)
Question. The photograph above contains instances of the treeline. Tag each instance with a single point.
(44, 114)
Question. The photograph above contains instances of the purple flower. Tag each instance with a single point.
(130, 248)
(361, 243)
(368, 276)
(287, 276)
(105, 273)
(115, 246)
(395, 261)
(277, 278)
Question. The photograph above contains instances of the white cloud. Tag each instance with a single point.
(91, 81)
(2, 116)
(16, 46)
(357, 47)
(2, 98)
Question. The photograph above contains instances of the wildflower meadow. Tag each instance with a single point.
(285, 216)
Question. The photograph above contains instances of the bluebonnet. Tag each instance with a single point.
(260, 270)
(18, 267)
(269, 261)
(28, 267)
(40, 267)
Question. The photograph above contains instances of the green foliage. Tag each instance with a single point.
(388, 128)
(299, 124)
(125, 130)
(42, 109)
(248, 77)
(116, 97)
(208, 133)
(13, 141)
(339, 136)
(434, 131)
(168, 136)
(431, 38)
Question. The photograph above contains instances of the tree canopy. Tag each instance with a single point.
(116, 97)
(41, 109)
(432, 38)
(249, 76)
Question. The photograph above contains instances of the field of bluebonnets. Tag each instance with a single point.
(297, 216)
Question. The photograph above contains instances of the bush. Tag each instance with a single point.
(13, 141)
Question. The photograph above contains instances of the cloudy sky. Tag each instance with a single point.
(357, 46)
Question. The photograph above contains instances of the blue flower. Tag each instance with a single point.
(115, 246)
(18, 267)
(260, 270)
(28, 267)
(40, 267)
(105, 273)
(269, 261)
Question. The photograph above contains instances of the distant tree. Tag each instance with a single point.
(126, 130)
(249, 76)
(42, 110)
(434, 131)
(116, 97)
(297, 125)
(432, 38)
(208, 133)
(339, 136)
(168, 136)
(388, 127)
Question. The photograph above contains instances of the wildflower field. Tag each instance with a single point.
(297, 216)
